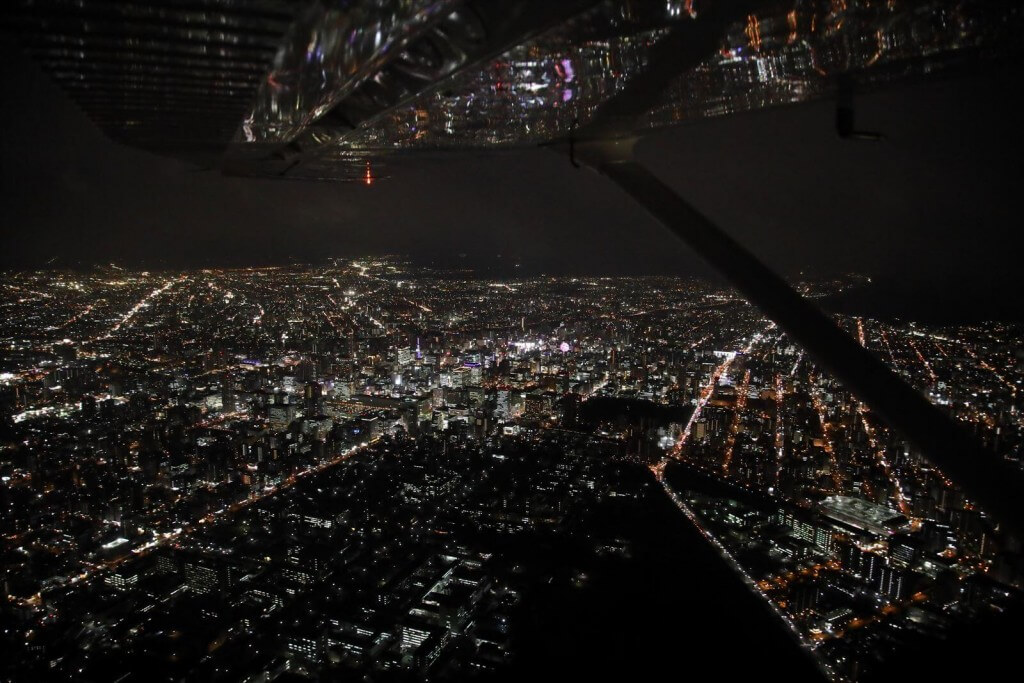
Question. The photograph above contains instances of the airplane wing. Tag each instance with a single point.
(318, 90)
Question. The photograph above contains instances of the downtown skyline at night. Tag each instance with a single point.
(238, 441)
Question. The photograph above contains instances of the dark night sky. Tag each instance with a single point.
(932, 209)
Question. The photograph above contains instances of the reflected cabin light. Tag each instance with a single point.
(369, 174)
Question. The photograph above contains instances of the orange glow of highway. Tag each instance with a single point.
(143, 303)
(779, 431)
(819, 406)
(923, 361)
(172, 536)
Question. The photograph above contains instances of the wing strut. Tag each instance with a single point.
(945, 443)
